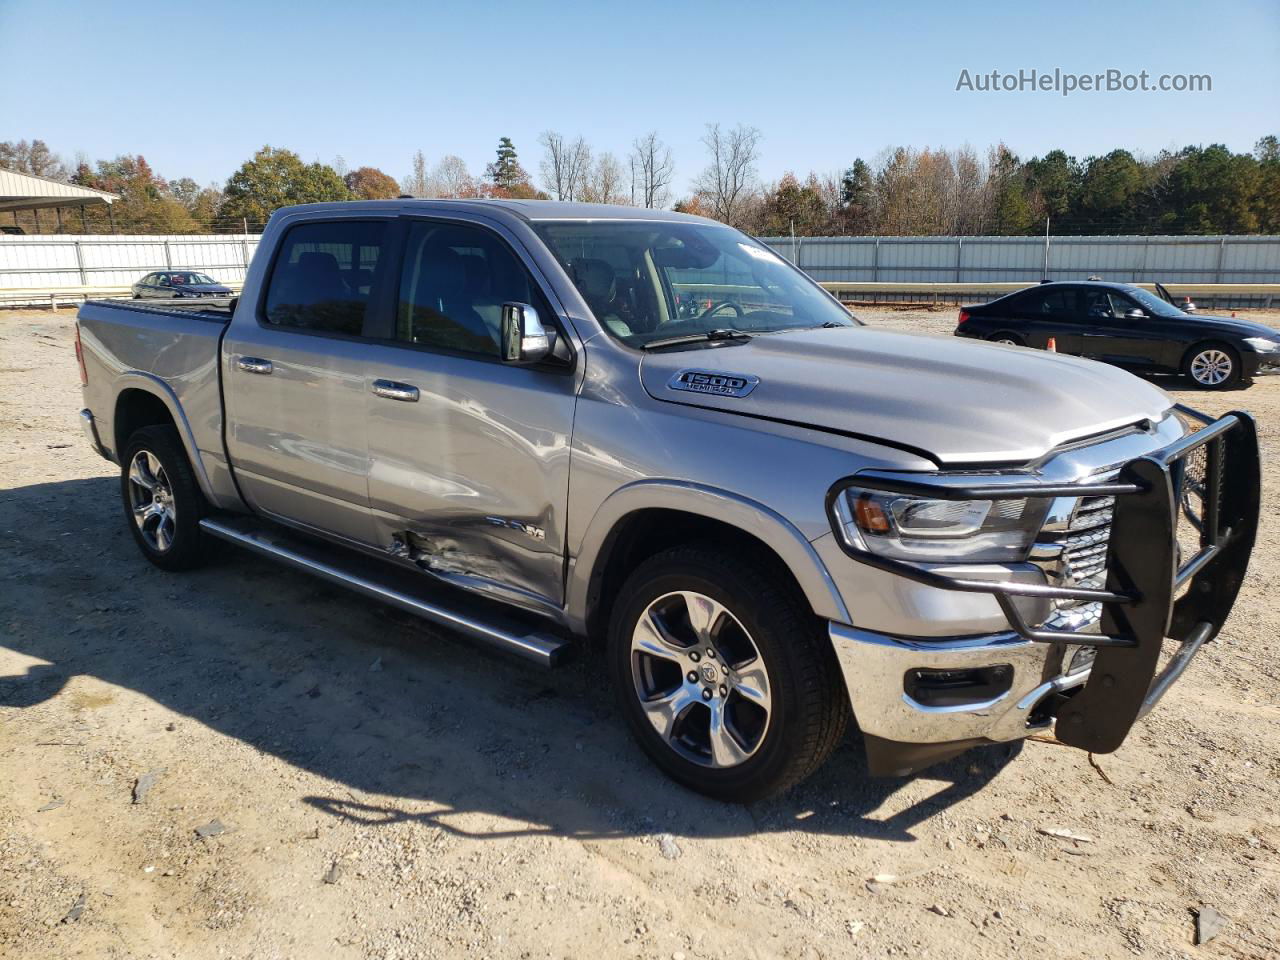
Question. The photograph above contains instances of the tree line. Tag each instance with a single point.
(903, 191)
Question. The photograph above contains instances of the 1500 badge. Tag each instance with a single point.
(717, 384)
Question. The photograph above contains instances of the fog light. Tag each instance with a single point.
(950, 688)
(1082, 660)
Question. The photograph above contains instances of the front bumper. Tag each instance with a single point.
(876, 666)
(1184, 524)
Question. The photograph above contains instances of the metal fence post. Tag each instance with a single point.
(875, 262)
(84, 278)
(1222, 249)
(168, 256)
(959, 253)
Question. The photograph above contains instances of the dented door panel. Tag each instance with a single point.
(471, 480)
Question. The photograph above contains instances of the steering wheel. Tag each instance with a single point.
(720, 306)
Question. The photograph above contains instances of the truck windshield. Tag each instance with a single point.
(648, 281)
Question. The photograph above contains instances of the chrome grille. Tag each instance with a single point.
(1190, 477)
(1076, 556)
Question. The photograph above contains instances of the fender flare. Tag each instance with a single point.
(150, 383)
(747, 515)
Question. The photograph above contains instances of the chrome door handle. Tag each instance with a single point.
(391, 390)
(254, 365)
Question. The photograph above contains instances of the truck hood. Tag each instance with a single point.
(958, 401)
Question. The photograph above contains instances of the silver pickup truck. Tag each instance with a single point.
(645, 435)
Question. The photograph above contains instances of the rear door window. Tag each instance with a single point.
(323, 276)
(1051, 303)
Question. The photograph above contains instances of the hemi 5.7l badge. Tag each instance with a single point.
(717, 384)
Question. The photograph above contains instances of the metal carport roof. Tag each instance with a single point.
(22, 191)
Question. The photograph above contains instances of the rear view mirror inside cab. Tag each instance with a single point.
(688, 254)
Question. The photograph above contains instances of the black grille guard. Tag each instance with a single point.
(1144, 600)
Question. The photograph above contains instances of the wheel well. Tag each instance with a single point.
(643, 533)
(135, 409)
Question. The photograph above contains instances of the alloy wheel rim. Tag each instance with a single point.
(151, 501)
(700, 679)
(1211, 367)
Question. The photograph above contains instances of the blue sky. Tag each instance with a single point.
(197, 87)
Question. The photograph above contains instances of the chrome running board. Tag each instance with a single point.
(392, 585)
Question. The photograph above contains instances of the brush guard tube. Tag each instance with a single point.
(1151, 593)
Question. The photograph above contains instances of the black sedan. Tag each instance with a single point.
(179, 284)
(1124, 324)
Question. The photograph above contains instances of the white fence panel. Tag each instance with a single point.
(70, 261)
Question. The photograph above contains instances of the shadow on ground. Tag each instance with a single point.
(440, 728)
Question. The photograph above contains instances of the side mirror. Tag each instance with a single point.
(524, 338)
(1135, 315)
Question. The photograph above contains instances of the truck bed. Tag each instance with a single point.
(170, 351)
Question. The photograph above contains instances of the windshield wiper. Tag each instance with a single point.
(721, 333)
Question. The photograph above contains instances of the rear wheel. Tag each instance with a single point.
(726, 678)
(1213, 366)
(1008, 339)
(163, 504)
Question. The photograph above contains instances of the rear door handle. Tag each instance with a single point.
(391, 390)
(254, 365)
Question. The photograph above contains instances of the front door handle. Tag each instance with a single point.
(391, 390)
(254, 365)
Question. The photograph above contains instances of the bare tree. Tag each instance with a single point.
(34, 158)
(565, 166)
(450, 178)
(729, 182)
(416, 184)
(651, 171)
(605, 182)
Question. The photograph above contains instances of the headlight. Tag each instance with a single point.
(906, 527)
(1263, 344)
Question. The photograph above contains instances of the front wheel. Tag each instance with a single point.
(1213, 366)
(726, 678)
(163, 504)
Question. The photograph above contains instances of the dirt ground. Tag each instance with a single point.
(379, 790)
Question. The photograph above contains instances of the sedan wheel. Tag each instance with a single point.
(1213, 367)
(700, 679)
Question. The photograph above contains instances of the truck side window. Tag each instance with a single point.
(455, 280)
(323, 276)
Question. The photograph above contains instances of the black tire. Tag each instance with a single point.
(1198, 369)
(175, 541)
(809, 708)
(1005, 336)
